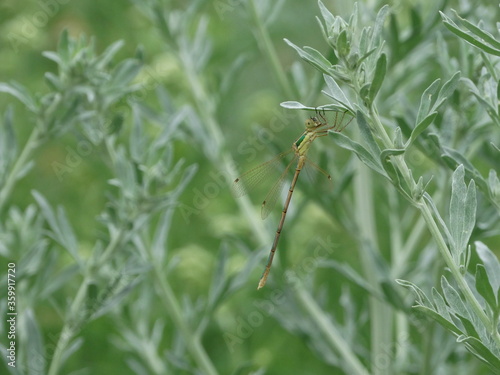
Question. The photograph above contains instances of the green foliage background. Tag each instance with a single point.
(211, 76)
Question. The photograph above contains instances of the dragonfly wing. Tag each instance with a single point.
(272, 196)
(252, 178)
(310, 165)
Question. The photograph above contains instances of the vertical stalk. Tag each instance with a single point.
(76, 314)
(191, 340)
(330, 332)
(426, 213)
(267, 46)
(22, 160)
(380, 313)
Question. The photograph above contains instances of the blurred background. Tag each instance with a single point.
(224, 68)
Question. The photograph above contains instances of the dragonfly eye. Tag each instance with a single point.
(312, 122)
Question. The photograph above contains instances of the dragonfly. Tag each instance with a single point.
(315, 127)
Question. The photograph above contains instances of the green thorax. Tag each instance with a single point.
(299, 141)
(304, 142)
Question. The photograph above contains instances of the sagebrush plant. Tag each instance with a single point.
(412, 200)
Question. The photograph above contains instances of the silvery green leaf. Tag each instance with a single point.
(336, 93)
(422, 299)
(367, 135)
(297, 105)
(379, 26)
(484, 288)
(311, 56)
(29, 327)
(439, 318)
(8, 142)
(462, 212)
(21, 93)
(421, 126)
(219, 279)
(454, 300)
(481, 351)
(475, 36)
(446, 90)
(62, 231)
(327, 16)
(440, 305)
(426, 100)
(491, 265)
(378, 77)
(363, 154)
(109, 53)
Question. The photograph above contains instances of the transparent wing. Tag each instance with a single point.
(310, 165)
(252, 178)
(272, 196)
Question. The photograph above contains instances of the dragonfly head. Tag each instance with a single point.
(312, 123)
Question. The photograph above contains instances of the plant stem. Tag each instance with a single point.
(330, 332)
(76, 316)
(400, 163)
(29, 147)
(462, 283)
(380, 314)
(68, 331)
(263, 38)
(191, 340)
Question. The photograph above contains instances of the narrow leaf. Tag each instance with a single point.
(462, 212)
(361, 152)
(440, 304)
(58, 224)
(453, 299)
(20, 93)
(481, 351)
(422, 299)
(327, 107)
(384, 155)
(421, 126)
(484, 288)
(108, 54)
(446, 90)
(327, 15)
(468, 325)
(367, 135)
(8, 141)
(491, 265)
(438, 318)
(426, 100)
(378, 77)
(483, 34)
(438, 217)
(219, 279)
(125, 72)
(318, 56)
(468, 37)
(335, 92)
(318, 63)
(379, 26)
